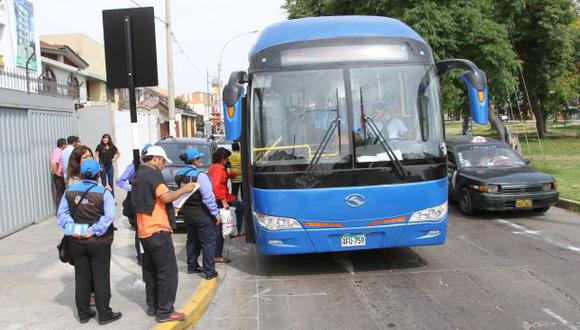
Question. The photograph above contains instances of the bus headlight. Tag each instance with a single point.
(435, 213)
(273, 223)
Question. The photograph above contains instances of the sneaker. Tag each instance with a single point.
(175, 316)
(211, 275)
(92, 314)
(194, 270)
(223, 260)
(114, 317)
(151, 311)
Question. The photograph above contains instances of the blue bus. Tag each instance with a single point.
(341, 126)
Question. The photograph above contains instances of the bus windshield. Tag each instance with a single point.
(292, 111)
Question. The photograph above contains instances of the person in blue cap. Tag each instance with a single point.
(125, 182)
(200, 215)
(90, 206)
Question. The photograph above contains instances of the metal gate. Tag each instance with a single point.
(27, 138)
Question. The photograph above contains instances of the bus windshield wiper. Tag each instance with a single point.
(307, 179)
(397, 165)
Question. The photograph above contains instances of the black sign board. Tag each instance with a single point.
(144, 54)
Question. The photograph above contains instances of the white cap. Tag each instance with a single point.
(158, 151)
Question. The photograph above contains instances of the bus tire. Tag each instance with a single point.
(465, 202)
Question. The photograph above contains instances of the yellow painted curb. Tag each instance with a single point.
(195, 306)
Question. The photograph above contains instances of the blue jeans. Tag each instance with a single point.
(107, 176)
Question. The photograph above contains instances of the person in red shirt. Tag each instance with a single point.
(219, 176)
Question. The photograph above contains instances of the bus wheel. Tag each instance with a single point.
(465, 202)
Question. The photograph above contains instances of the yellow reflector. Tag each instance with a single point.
(481, 96)
(322, 224)
(231, 111)
(393, 220)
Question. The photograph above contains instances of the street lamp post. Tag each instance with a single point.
(219, 75)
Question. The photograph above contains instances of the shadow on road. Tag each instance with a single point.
(245, 259)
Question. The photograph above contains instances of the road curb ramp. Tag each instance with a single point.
(194, 307)
(569, 204)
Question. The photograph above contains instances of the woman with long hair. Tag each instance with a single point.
(107, 154)
(73, 171)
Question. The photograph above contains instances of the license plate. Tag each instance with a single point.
(523, 203)
(349, 240)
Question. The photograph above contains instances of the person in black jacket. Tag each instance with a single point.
(89, 204)
(200, 215)
(152, 200)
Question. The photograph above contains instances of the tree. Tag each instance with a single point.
(453, 29)
(486, 32)
(181, 104)
(543, 36)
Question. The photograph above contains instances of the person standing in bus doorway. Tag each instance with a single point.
(56, 169)
(72, 141)
(107, 154)
(200, 214)
(236, 167)
(93, 205)
(125, 182)
(152, 201)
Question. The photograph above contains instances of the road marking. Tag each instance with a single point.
(560, 319)
(536, 234)
(264, 295)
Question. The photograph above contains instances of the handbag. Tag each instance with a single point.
(63, 247)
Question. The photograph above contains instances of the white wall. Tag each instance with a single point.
(148, 133)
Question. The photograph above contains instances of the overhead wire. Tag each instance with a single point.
(181, 50)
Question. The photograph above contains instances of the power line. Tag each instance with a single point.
(181, 51)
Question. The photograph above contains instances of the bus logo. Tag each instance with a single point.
(355, 200)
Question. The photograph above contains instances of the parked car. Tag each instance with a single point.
(225, 144)
(486, 174)
(176, 146)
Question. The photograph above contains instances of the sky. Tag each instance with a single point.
(201, 27)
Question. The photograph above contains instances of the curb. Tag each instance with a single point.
(569, 204)
(194, 307)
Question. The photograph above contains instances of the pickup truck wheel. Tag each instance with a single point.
(465, 202)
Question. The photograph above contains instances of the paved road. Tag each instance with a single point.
(501, 271)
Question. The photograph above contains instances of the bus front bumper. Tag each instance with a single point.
(299, 241)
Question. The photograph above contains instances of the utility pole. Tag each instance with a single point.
(170, 87)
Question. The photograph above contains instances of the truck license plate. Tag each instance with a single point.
(349, 240)
(521, 203)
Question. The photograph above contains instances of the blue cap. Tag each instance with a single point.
(91, 166)
(145, 147)
(193, 154)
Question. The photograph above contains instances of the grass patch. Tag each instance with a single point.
(558, 154)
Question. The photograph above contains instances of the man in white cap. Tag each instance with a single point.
(152, 201)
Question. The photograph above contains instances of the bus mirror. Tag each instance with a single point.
(476, 83)
(232, 97)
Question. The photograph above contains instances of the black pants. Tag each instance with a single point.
(92, 267)
(59, 188)
(160, 272)
(201, 236)
(236, 188)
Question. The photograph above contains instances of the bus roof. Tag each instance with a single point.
(329, 27)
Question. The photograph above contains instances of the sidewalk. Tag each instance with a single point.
(38, 290)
